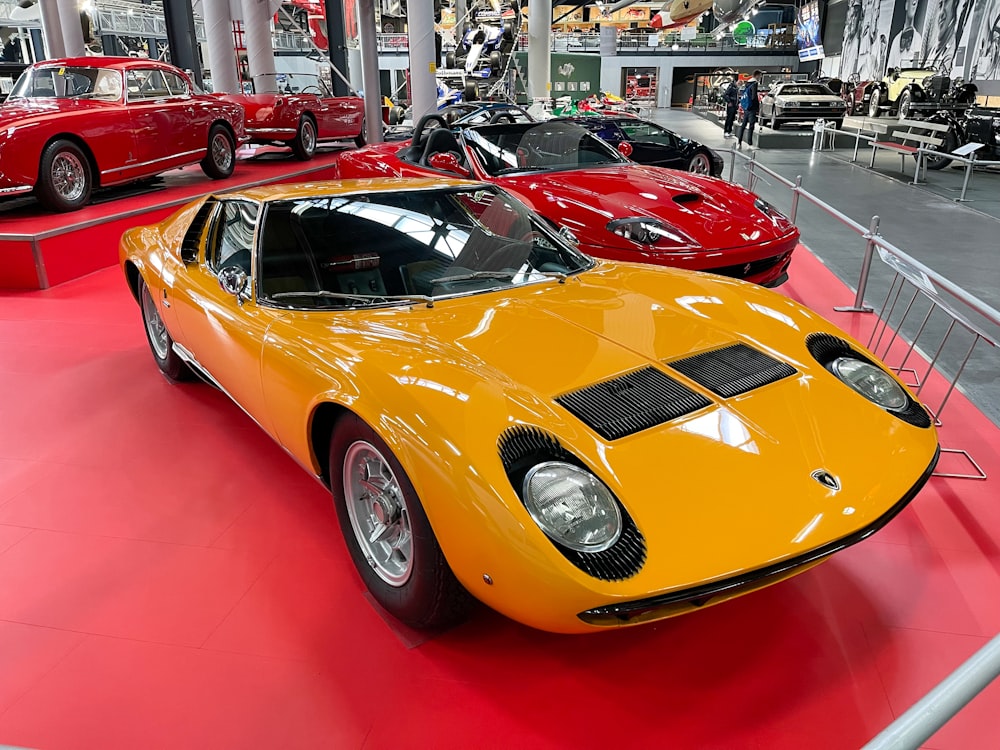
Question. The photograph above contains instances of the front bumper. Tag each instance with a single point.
(679, 602)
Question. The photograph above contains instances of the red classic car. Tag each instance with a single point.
(76, 124)
(303, 114)
(612, 207)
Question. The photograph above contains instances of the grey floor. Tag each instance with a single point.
(960, 241)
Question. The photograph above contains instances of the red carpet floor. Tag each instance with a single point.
(169, 578)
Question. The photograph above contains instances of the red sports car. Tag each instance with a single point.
(76, 124)
(612, 207)
(303, 114)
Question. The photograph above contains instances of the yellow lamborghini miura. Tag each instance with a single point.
(579, 444)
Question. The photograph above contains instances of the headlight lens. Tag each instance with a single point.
(650, 231)
(871, 382)
(572, 506)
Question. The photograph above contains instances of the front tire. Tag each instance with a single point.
(387, 532)
(471, 92)
(304, 145)
(220, 161)
(905, 99)
(949, 144)
(875, 103)
(160, 343)
(64, 177)
(700, 164)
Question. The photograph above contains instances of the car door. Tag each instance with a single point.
(652, 144)
(224, 333)
(339, 116)
(154, 115)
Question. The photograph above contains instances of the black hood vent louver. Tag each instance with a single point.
(733, 370)
(632, 402)
(683, 198)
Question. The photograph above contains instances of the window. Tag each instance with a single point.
(231, 243)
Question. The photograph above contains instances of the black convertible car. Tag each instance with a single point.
(648, 143)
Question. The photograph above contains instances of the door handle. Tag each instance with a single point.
(166, 302)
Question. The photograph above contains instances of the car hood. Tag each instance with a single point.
(468, 371)
(711, 213)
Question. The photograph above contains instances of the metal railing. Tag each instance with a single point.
(915, 293)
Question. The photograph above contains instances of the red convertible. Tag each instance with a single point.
(303, 114)
(72, 125)
(610, 206)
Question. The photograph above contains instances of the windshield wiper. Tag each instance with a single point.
(367, 299)
(501, 275)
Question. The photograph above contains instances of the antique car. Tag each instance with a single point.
(904, 90)
(578, 444)
(649, 143)
(800, 102)
(613, 207)
(303, 114)
(71, 126)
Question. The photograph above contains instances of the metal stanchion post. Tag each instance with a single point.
(793, 212)
(866, 266)
(751, 177)
(969, 166)
(732, 162)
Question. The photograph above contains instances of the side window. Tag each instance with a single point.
(231, 242)
(146, 84)
(176, 85)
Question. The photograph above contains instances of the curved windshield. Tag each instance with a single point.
(806, 90)
(388, 248)
(62, 82)
(539, 146)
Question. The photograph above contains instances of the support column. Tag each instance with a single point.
(423, 57)
(180, 37)
(72, 31)
(260, 51)
(337, 41)
(539, 49)
(369, 70)
(52, 29)
(219, 46)
(461, 11)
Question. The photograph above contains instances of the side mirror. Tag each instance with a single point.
(447, 161)
(234, 281)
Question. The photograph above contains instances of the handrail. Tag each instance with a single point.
(951, 695)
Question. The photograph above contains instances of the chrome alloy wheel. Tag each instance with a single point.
(158, 336)
(307, 136)
(378, 513)
(700, 164)
(222, 153)
(69, 176)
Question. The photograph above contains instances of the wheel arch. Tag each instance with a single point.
(78, 141)
(321, 422)
(132, 278)
(229, 129)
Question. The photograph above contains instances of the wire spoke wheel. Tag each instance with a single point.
(69, 176)
(378, 512)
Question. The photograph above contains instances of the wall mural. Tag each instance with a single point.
(961, 37)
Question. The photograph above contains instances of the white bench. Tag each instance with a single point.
(912, 138)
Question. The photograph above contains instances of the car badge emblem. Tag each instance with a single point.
(826, 479)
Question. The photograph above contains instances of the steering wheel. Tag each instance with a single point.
(502, 117)
(422, 125)
(311, 90)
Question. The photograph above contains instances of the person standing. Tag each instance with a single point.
(731, 97)
(750, 102)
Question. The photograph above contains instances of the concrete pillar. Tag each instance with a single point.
(369, 70)
(52, 29)
(72, 30)
(423, 56)
(219, 44)
(539, 49)
(461, 11)
(260, 51)
(181, 37)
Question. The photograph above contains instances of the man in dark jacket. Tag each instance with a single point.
(751, 106)
(731, 98)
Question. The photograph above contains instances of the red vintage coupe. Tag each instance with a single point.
(302, 114)
(72, 125)
(612, 207)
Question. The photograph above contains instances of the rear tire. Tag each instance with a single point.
(450, 61)
(471, 93)
(700, 164)
(304, 145)
(387, 533)
(64, 177)
(905, 99)
(362, 137)
(220, 161)
(875, 103)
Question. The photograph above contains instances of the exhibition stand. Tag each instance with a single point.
(40, 249)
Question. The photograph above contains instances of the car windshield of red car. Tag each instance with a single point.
(389, 248)
(62, 82)
(542, 146)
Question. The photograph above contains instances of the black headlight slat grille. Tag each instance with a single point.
(733, 370)
(632, 402)
(825, 348)
(524, 446)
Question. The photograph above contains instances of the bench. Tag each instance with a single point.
(912, 138)
(864, 127)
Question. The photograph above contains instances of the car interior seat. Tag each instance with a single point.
(441, 141)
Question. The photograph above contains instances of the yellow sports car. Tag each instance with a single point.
(579, 444)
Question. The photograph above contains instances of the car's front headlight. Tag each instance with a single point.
(870, 381)
(572, 506)
(647, 230)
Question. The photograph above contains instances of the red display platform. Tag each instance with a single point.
(169, 578)
(39, 249)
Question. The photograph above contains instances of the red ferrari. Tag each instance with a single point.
(612, 207)
(303, 114)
